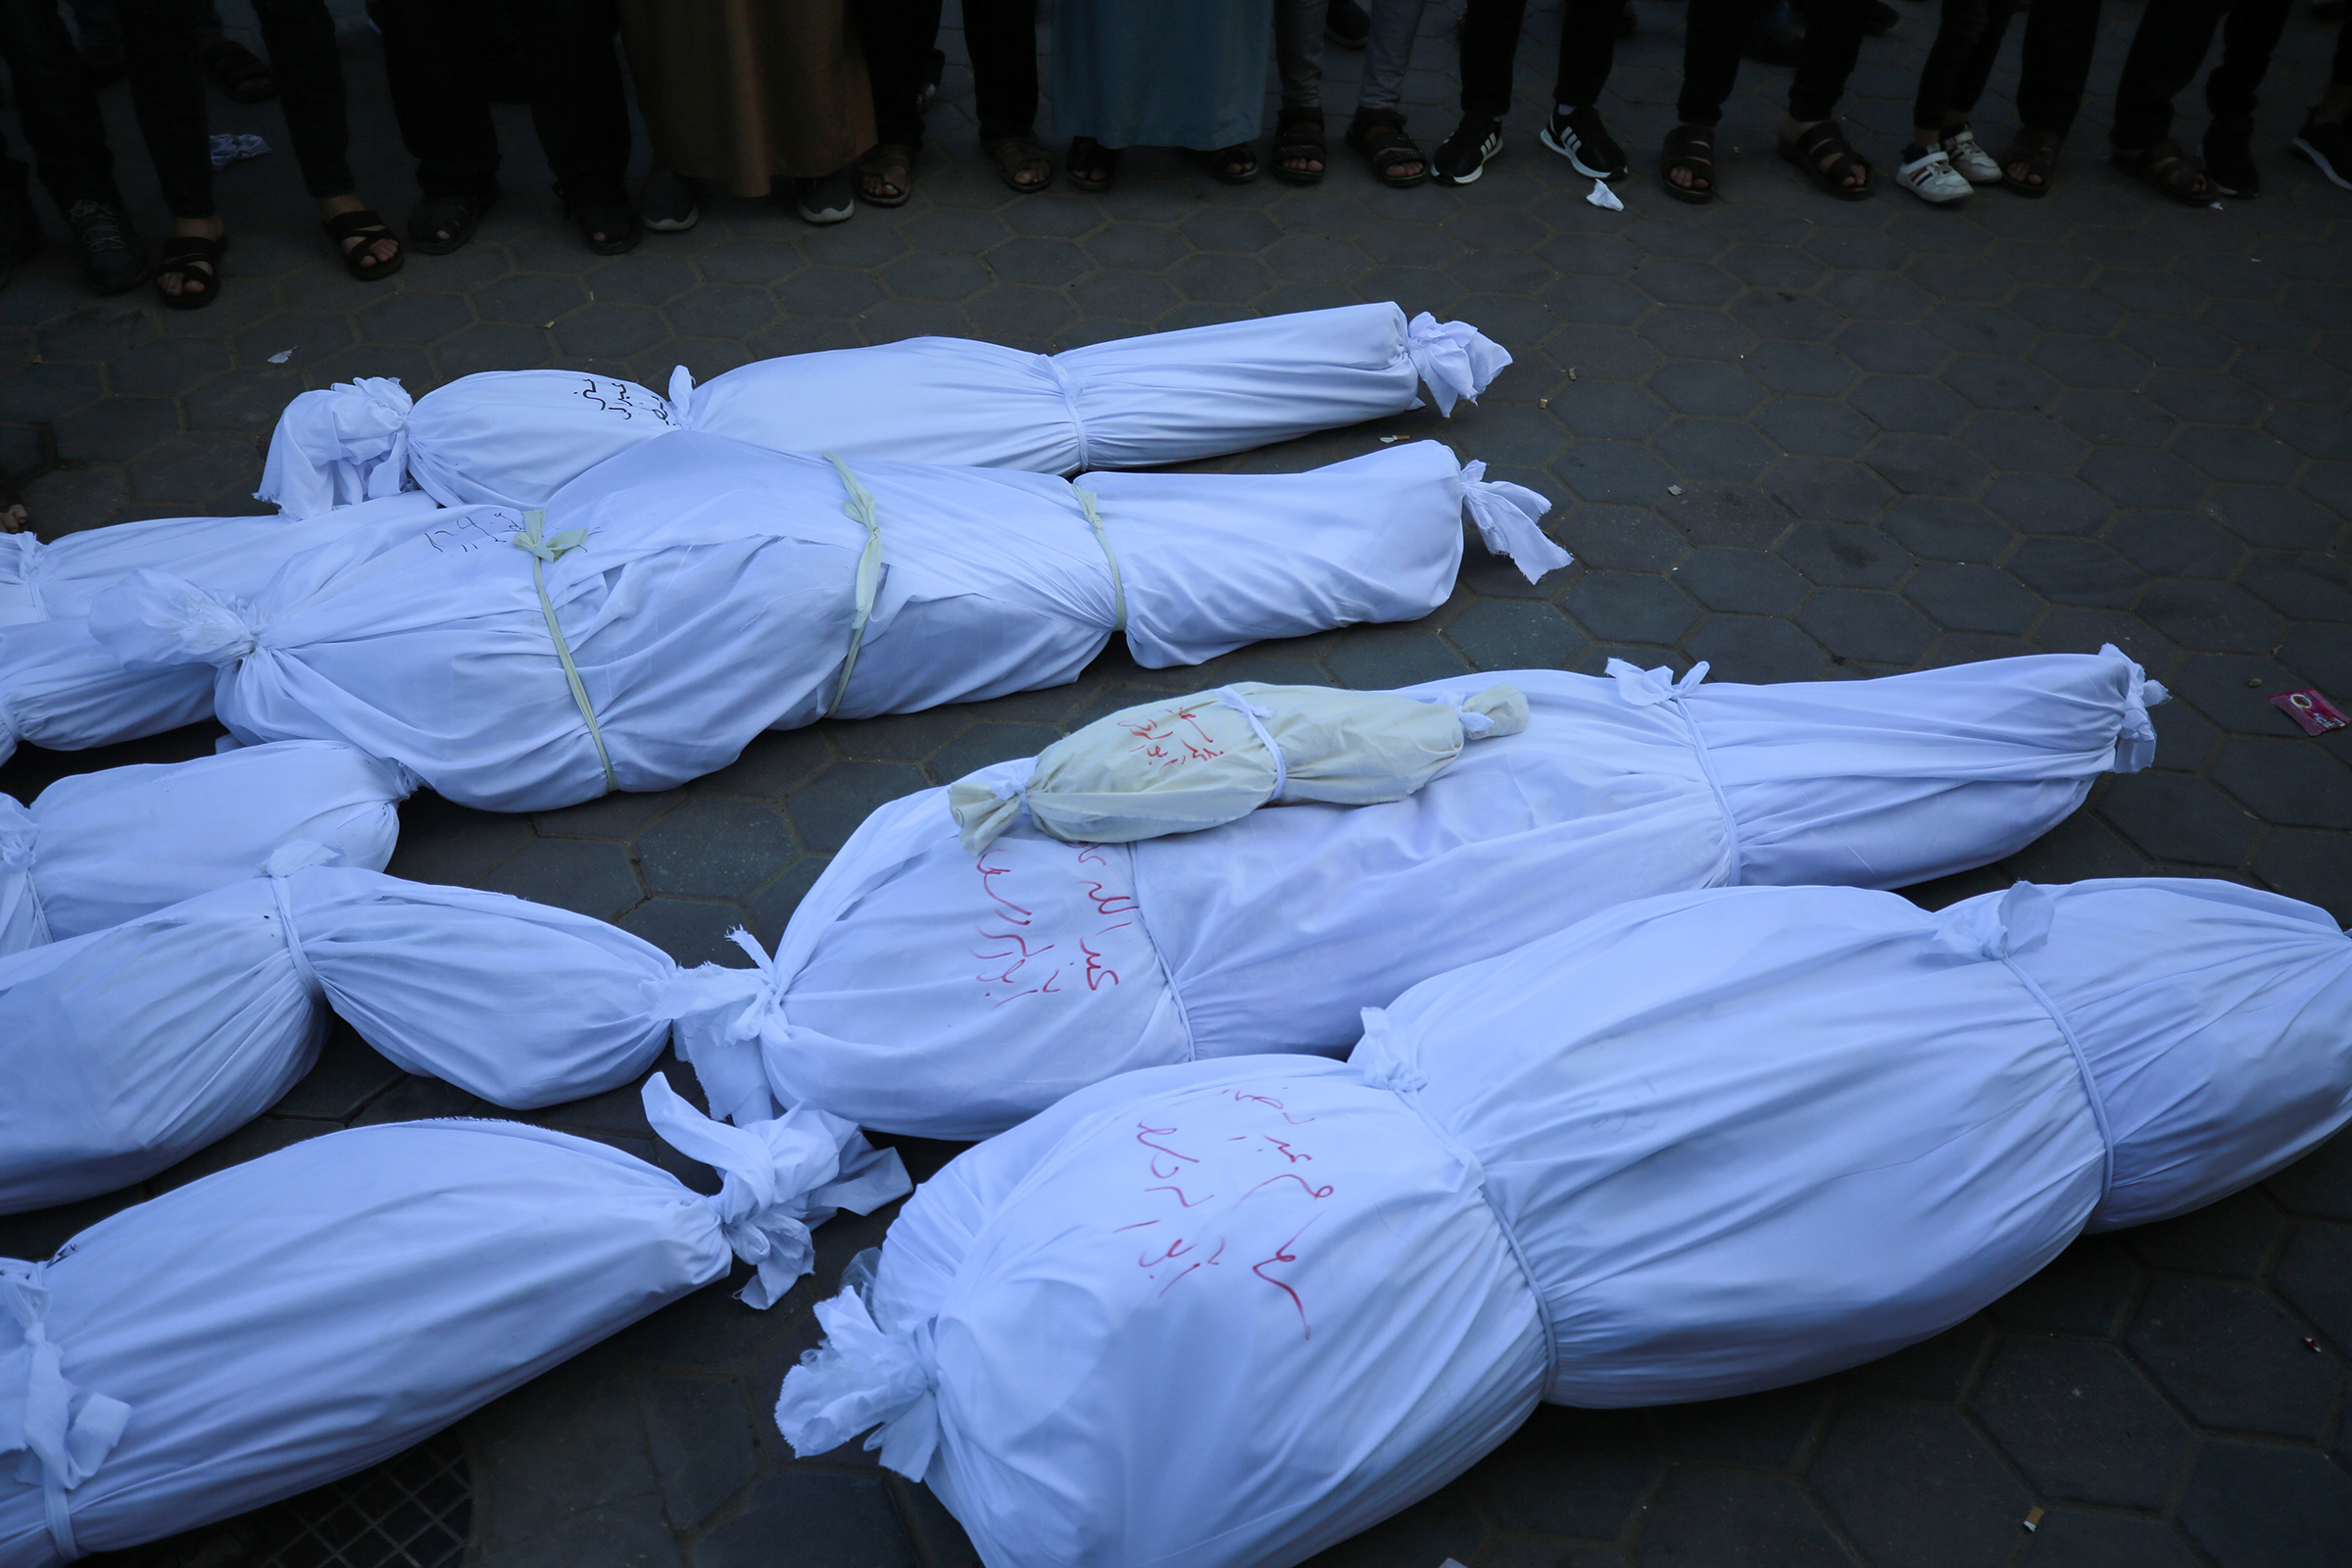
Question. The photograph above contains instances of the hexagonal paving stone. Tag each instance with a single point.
(2234, 1358)
(2081, 1423)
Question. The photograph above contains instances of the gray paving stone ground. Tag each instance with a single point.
(1795, 437)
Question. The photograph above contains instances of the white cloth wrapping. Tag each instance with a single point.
(98, 849)
(304, 1315)
(1229, 1312)
(60, 689)
(513, 438)
(125, 1051)
(918, 991)
(1184, 763)
(706, 590)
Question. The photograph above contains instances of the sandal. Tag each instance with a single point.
(439, 225)
(1379, 134)
(616, 221)
(886, 175)
(366, 228)
(2167, 165)
(237, 71)
(1690, 149)
(194, 260)
(2035, 152)
(1018, 157)
(1236, 165)
(1828, 157)
(1299, 137)
(1091, 165)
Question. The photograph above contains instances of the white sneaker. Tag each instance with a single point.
(1969, 158)
(1931, 178)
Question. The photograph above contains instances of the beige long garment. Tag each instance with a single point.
(746, 92)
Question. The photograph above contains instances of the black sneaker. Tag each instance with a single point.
(1463, 157)
(1580, 137)
(112, 256)
(1347, 23)
(2324, 144)
(2229, 157)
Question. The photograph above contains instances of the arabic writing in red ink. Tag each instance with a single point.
(1284, 1255)
(1286, 1176)
(1144, 1138)
(1189, 1202)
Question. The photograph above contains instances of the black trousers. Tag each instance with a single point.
(2060, 38)
(160, 43)
(1489, 36)
(1968, 40)
(58, 110)
(436, 54)
(1714, 30)
(1000, 36)
(2170, 46)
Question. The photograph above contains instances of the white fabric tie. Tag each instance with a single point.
(1257, 717)
(682, 397)
(722, 1018)
(1510, 517)
(23, 922)
(781, 1177)
(1383, 1066)
(1998, 930)
(860, 509)
(1454, 358)
(1069, 401)
(67, 1431)
(2136, 736)
(863, 1375)
(288, 860)
(1647, 687)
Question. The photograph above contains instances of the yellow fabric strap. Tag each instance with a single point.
(860, 509)
(542, 550)
(1118, 584)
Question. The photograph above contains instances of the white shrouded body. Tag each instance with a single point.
(919, 990)
(126, 1050)
(1185, 764)
(60, 689)
(513, 438)
(303, 1315)
(706, 590)
(1223, 1313)
(95, 849)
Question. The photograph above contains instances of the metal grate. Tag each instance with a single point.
(411, 1511)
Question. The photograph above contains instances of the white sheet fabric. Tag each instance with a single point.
(708, 590)
(60, 689)
(303, 1315)
(98, 849)
(126, 1050)
(1184, 763)
(513, 438)
(920, 991)
(1228, 1312)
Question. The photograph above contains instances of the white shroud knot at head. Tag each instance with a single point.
(338, 446)
(154, 620)
(781, 1177)
(1456, 361)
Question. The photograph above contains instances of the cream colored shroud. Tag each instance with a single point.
(1180, 764)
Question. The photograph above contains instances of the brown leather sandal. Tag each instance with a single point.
(2030, 161)
(1022, 162)
(1397, 160)
(886, 175)
(1690, 149)
(2168, 165)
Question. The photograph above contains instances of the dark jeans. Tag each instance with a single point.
(898, 38)
(1489, 36)
(58, 110)
(1001, 35)
(435, 58)
(160, 43)
(1968, 40)
(1714, 30)
(2170, 45)
(2060, 37)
